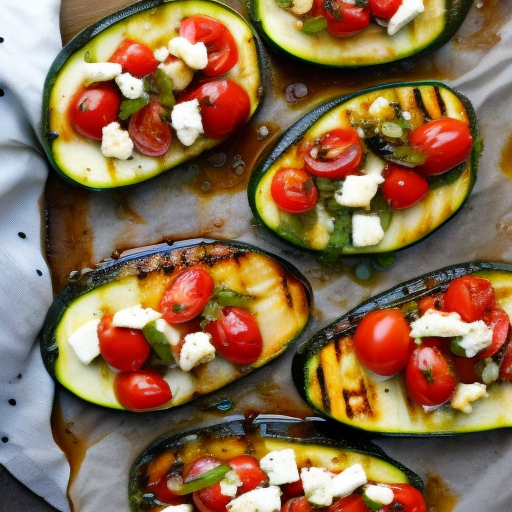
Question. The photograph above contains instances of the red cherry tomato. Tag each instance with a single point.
(403, 188)
(292, 490)
(506, 364)
(498, 320)
(470, 297)
(220, 45)
(429, 377)
(382, 342)
(465, 368)
(298, 504)
(293, 190)
(122, 348)
(225, 106)
(384, 9)
(93, 108)
(187, 295)
(345, 19)
(406, 499)
(445, 142)
(164, 494)
(141, 390)
(248, 470)
(150, 133)
(135, 58)
(236, 336)
(429, 302)
(351, 503)
(335, 155)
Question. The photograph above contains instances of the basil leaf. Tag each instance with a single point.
(130, 106)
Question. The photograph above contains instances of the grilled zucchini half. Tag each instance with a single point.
(328, 225)
(248, 441)
(331, 378)
(270, 290)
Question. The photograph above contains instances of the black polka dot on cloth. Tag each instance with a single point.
(1, 39)
(12, 401)
(1, 92)
(5, 439)
(39, 272)
(22, 235)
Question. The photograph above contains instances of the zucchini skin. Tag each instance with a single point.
(412, 290)
(140, 264)
(299, 129)
(455, 12)
(49, 136)
(286, 429)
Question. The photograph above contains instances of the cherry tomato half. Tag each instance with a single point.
(297, 504)
(93, 108)
(465, 368)
(141, 390)
(225, 106)
(187, 295)
(506, 364)
(429, 377)
(135, 58)
(429, 302)
(345, 19)
(336, 154)
(382, 342)
(151, 135)
(293, 190)
(236, 335)
(470, 297)
(403, 188)
(384, 9)
(445, 142)
(498, 320)
(406, 499)
(122, 348)
(220, 45)
(351, 503)
(248, 470)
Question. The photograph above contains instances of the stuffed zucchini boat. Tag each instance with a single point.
(431, 356)
(148, 88)
(344, 33)
(270, 464)
(156, 329)
(371, 172)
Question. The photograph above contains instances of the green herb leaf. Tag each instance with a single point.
(205, 479)
(130, 106)
(314, 25)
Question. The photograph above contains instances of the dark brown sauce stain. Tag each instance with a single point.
(506, 158)
(439, 496)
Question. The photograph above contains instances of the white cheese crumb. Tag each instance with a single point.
(358, 190)
(102, 71)
(185, 507)
(116, 142)
(280, 466)
(230, 483)
(172, 335)
(161, 54)
(186, 120)
(130, 86)
(195, 55)
(465, 394)
(135, 317)
(85, 341)
(407, 11)
(348, 481)
(261, 499)
(373, 165)
(366, 230)
(196, 350)
(317, 484)
(180, 74)
(381, 108)
(380, 494)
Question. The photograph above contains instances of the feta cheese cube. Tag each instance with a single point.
(230, 483)
(161, 54)
(130, 86)
(407, 11)
(373, 165)
(185, 507)
(116, 142)
(261, 499)
(317, 484)
(465, 394)
(135, 317)
(280, 466)
(196, 350)
(380, 494)
(101, 71)
(194, 55)
(348, 481)
(366, 230)
(180, 74)
(358, 190)
(477, 338)
(186, 120)
(85, 341)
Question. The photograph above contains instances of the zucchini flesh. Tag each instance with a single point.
(279, 300)
(330, 378)
(79, 159)
(429, 30)
(312, 444)
(313, 230)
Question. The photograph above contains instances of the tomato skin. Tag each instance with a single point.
(498, 320)
(351, 503)
(429, 302)
(384, 9)
(151, 135)
(141, 390)
(403, 188)
(506, 364)
(135, 58)
(429, 377)
(297, 504)
(465, 368)
(382, 342)
(122, 348)
(225, 106)
(187, 295)
(292, 490)
(344, 19)
(93, 108)
(446, 142)
(335, 155)
(470, 297)
(248, 470)
(220, 45)
(293, 190)
(236, 335)
(406, 499)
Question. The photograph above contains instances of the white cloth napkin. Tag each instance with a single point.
(30, 40)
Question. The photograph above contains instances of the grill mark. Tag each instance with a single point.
(440, 101)
(421, 104)
(361, 393)
(287, 293)
(326, 401)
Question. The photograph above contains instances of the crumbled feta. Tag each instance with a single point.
(366, 230)
(407, 11)
(172, 335)
(161, 54)
(348, 481)
(373, 165)
(85, 341)
(478, 337)
(230, 483)
(380, 494)
(358, 190)
(280, 466)
(135, 317)
(130, 86)
(116, 142)
(300, 7)
(180, 74)
(102, 71)
(186, 120)
(465, 394)
(261, 499)
(317, 484)
(195, 55)
(196, 350)
(185, 507)
(381, 108)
